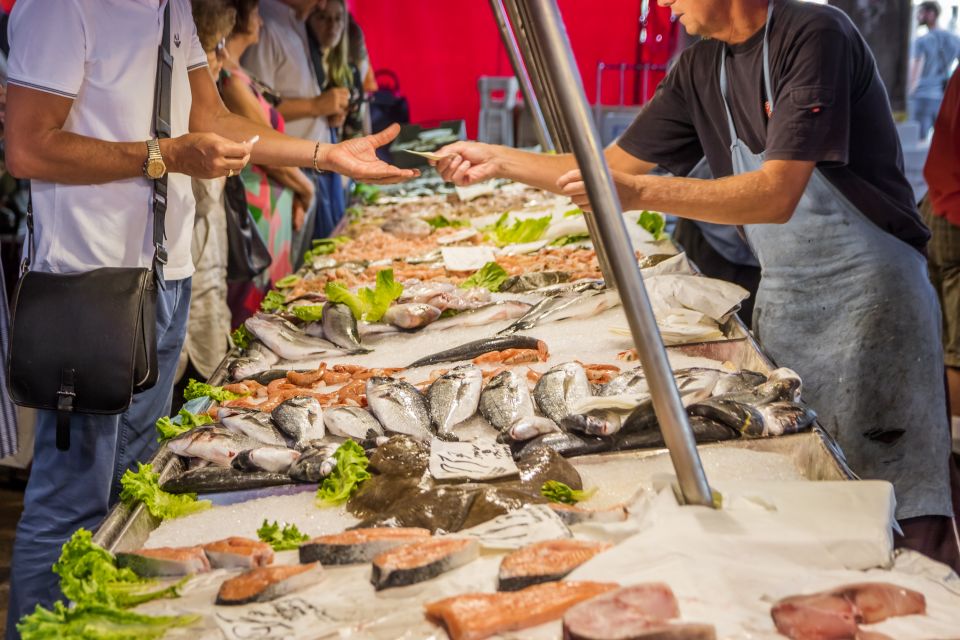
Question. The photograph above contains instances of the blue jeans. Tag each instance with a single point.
(924, 111)
(331, 202)
(71, 489)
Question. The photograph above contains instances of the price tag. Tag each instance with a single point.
(470, 460)
(533, 523)
(466, 258)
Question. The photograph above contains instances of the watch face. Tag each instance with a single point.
(156, 169)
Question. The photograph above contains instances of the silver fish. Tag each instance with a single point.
(595, 423)
(416, 291)
(215, 444)
(785, 417)
(454, 396)
(399, 407)
(286, 340)
(534, 280)
(253, 424)
(316, 462)
(372, 329)
(412, 315)
(505, 400)
(559, 388)
(476, 348)
(271, 459)
(255, 360)
(301, 418)
(487, 314)
(461, 300)
(565, 307)
(632, 382)
(352, 422)
(340, 327)
(529, 427)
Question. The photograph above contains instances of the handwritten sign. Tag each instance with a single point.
(533, 523)
(470, 460)
(292, 618)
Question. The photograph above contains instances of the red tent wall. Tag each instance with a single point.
(439, 48)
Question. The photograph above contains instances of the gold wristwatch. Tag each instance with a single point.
(153, 166)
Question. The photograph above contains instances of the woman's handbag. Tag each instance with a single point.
(86, 342)
(247, 255)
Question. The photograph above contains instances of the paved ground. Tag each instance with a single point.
(11, 503)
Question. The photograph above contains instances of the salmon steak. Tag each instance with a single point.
(238, 553)
(165, 561)
(546, 561)
(358, 545)
(638, 612)
(475, 616)
(264, 584)
(420, 561)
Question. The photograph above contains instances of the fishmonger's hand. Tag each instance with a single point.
(467, 163)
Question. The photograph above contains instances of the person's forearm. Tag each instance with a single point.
(535, 169)
(298, 108)
(68, 158)
(274, 149)
(289, 177)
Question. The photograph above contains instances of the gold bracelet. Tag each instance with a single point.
(316, 151)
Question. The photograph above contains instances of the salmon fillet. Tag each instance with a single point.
(267, 583)
(236, 552)
(545, 562)
(475, 616)
(358, 545)
(421, 561)
(165, 561)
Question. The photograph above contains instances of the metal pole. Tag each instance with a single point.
(510, 42)
(548, 29)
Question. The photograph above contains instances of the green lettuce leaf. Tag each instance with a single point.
(572, 238)
(653, 222)
(196, 389)
(274, 301)
(285, 538)
(324, 247)
(366, 193)
(346, 477)
(489, 276)
(520, 231)
(287, 282)
(441, 221)
(241, 337)
(367, 304)
(168, 428)
(555, 491)
(308, 312)
(144, 486)
(573, 213)
(96, 622)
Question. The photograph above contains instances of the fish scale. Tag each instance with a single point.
(455, 396)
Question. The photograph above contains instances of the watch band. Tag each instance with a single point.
(153, 155)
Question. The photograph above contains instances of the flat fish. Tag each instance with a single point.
(482, 316)
(545, 562)
(475, 616)
(352, 422)
(340, 327)
(413, 315)
(238, 553)
(476, 348)
(301, 418)
(399, 407)
(164, 562)
(255, 360)
(214, 444)
(559, 388)
(421, 561)
(535, 280)
(454, 397)
(270, 459)
(252, 424)
(315, 463)
(505, 400)
(264, 584)
(286, 340)
(215, 479)
(358, 546)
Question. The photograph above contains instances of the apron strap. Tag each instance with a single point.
(726, 99)
(767, 83)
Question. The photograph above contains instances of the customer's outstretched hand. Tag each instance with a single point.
(357, 159)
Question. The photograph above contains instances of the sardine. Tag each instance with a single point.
(352, 422)
(301, 418)
(478, 348)
(454, 397)
(481, 316)
(340, 327)
(399, 407)
(412, 315)
(270, 459)
(535, 280)
(253, 424)
(255, 360)
(315, 463)
(560, 388)
(215, 444)
(505, 400)
(286, 340)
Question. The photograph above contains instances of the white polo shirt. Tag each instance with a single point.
(102, 54)
(281, 60)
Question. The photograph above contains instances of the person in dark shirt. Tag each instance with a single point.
(785, 102)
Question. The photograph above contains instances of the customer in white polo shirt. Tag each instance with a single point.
(282, 60)
(79, 116)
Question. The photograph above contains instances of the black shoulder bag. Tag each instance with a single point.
(86, 342)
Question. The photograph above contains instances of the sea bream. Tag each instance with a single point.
(455, 396)
(315, 463)
(255, 360)
(399, 407)
(270, 459)
(561, 388)
(287, 341)
(215, 444)
(301, 418)
(340, 327)
(253, 424)
(352, 422)
(505, 400)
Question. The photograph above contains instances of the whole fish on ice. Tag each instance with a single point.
(561, 387)
(270, 459)
(286, 340)
(399, 407)
(505, 400)
(301, 418)
(455, 396)
(340, 327)
(252, 424)
(315, 463)
(412, 315)
(255, 360)
(215, 444)
(482, 316)
(352, 422)
(476, 348)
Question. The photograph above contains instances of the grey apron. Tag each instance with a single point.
(851, 309)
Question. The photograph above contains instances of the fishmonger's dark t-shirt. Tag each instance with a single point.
(830, 107)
